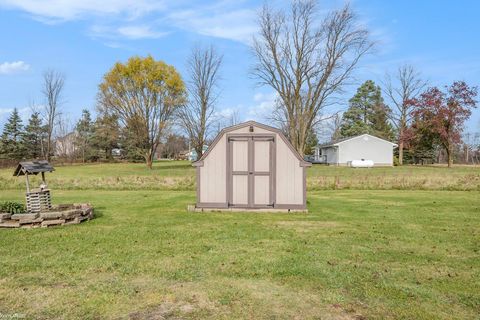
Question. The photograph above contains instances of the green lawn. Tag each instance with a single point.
(357, 254)
(180, 175)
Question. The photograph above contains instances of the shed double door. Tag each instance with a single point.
(251, 174)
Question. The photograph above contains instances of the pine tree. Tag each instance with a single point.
(12, 147)
(367, 113)
(34, 137)
(106, 135)
(84, 134)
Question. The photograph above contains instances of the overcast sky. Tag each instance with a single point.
(84, 38)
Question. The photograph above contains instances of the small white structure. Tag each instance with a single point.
(251, 166)
(373, 151)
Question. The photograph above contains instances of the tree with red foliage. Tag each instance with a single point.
(446, 112)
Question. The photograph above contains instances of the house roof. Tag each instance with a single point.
(336, 142)
(199, 162)
(33, 167)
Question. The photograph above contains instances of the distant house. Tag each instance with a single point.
(65, 146)
(362, 147)
(192, 155)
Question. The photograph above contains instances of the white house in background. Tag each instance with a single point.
(192, 154)
(65, 146)
(362, 147)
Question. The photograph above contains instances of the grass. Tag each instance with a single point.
(357, 254)
(180, 175)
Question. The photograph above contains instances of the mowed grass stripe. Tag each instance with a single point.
(180, 175)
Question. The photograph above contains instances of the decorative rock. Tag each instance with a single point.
(5, 216)
(51, 215)
(10, 224)
(24, 216)
(30, 221)
(58, 215)
(74, 221)
(47, 223)
(29, 226)
(69, 214)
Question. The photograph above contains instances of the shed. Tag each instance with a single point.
(251, 166)
(362, 147)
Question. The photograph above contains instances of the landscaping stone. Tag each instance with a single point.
(10, 224)
(70, 214)
(30, 221)
(51, 215)
(47, 223)
(74, 221)
(59, 215)
(24, 216)
(5, 216)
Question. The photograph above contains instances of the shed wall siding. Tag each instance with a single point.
(379, 151)
(213, 177)
(288, 170)
(289, 182)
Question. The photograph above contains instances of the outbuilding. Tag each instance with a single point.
(251, 166)
(364, 147)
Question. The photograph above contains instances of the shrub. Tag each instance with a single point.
(12, 207)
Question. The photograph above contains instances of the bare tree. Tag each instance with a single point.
(198, 114)
(307, 61)
(53, 83)
(406, 85)
(330, 131)
(233, 118)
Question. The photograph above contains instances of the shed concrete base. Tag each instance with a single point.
(192, 208)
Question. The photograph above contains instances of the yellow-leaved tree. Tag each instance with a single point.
(143, 93)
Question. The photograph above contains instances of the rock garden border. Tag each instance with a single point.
(63, 214)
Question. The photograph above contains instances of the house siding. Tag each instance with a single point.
(366, 147)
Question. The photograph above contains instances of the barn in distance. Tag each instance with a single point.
(251, 166)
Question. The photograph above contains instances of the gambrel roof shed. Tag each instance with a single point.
(251, 166)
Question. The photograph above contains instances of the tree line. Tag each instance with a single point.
(306, 58)
(424, 121)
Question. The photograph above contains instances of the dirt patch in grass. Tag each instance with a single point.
(163, 311)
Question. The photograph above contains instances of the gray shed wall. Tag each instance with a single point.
(366, 147)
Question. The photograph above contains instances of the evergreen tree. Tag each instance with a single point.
(11, 146)
(106, 134)
(34, 137)
(367, 113)
(84, 133)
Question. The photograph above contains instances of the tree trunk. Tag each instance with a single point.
(149, 162)
(450, 155)
(149, 158)
(199, 151)
(400, 153)
(47, 152)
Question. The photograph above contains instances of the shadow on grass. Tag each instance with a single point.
(98, 212)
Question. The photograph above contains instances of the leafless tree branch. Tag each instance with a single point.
(198, 115)
(306, 61)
